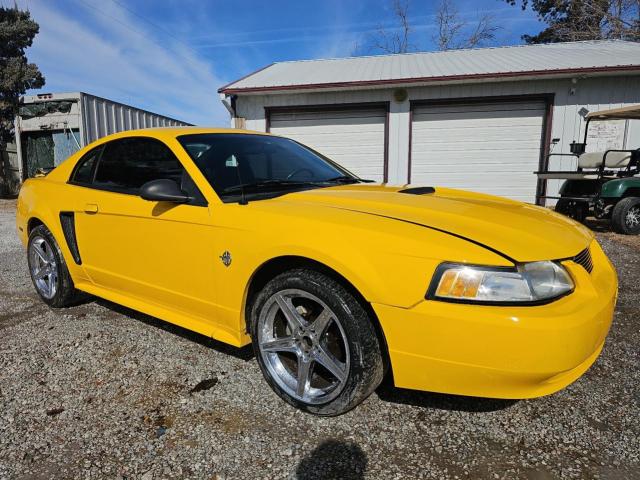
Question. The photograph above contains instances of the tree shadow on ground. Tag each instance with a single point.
(442, 401)
(333, 459)
(244, 353)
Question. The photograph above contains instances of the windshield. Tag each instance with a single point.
(249, 167)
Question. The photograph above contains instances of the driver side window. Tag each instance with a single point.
(124, 165)
(129, 163)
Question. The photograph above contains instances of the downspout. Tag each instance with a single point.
(229, 103)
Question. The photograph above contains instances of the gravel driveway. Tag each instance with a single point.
(99, 391)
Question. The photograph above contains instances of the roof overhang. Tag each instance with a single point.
(420, 81)
(632, 112)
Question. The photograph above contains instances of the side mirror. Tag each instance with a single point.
(163, 190)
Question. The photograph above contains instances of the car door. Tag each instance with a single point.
(157, 252)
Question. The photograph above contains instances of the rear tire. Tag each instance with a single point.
(625, 218)
(573, 209)
(315, 343)
(48, 270)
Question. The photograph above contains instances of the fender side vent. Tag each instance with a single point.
(418, 190)
(67, 219)
(584, 259)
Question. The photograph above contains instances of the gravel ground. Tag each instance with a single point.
(99, 391)
(602, 228)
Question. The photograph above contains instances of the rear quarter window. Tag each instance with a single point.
(83, 173)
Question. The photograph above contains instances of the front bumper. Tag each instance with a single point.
(503, 352)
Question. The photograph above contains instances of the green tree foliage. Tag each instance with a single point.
(17, 75)
(573, 20)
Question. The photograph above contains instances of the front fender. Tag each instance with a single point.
(396, 280)
(388, 261)
(620, 187)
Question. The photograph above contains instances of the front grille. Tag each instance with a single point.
(584, 259)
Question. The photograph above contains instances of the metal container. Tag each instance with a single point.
(52, 126)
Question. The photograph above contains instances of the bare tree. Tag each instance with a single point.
(453, 32)
(449, 25)
(396, 39)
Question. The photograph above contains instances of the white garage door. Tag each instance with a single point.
(353, 138)
(491, 148)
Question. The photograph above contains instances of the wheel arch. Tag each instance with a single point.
(621, 188)
(54, 225)
(33, 222)
(277, 265)
(631, 192)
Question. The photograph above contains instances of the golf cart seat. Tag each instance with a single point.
(613, 159)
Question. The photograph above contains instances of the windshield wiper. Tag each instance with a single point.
(253, 186)
(349, 179)
(343, 179)
(266, 183)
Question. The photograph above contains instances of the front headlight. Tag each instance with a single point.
(528, 283)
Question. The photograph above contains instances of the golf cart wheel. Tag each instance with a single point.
(572, 209)
(626, 216)
(315, 343)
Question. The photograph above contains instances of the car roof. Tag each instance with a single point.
(173, 132)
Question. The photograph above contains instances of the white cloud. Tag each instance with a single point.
(107, 52)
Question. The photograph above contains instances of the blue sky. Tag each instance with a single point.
(171, 56)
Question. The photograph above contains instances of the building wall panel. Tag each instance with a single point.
(570, 97)
(353, 138)
(103, 117)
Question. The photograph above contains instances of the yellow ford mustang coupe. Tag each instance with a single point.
(248, 237)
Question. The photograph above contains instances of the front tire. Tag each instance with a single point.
(48, 269)
(315, 343)
(626, 216)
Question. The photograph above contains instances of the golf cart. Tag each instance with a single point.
(606, 183)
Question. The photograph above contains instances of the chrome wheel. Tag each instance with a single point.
(43, 267)
(633, 217)
(303, 346)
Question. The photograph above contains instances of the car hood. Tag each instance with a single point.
(519, 231)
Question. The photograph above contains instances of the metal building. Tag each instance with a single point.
(479, 119)
(52, 126)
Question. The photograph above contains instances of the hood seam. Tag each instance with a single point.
(462, 237)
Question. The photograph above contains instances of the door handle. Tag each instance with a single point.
(91, 208)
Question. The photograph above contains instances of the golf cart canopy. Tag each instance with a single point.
(632, 112)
